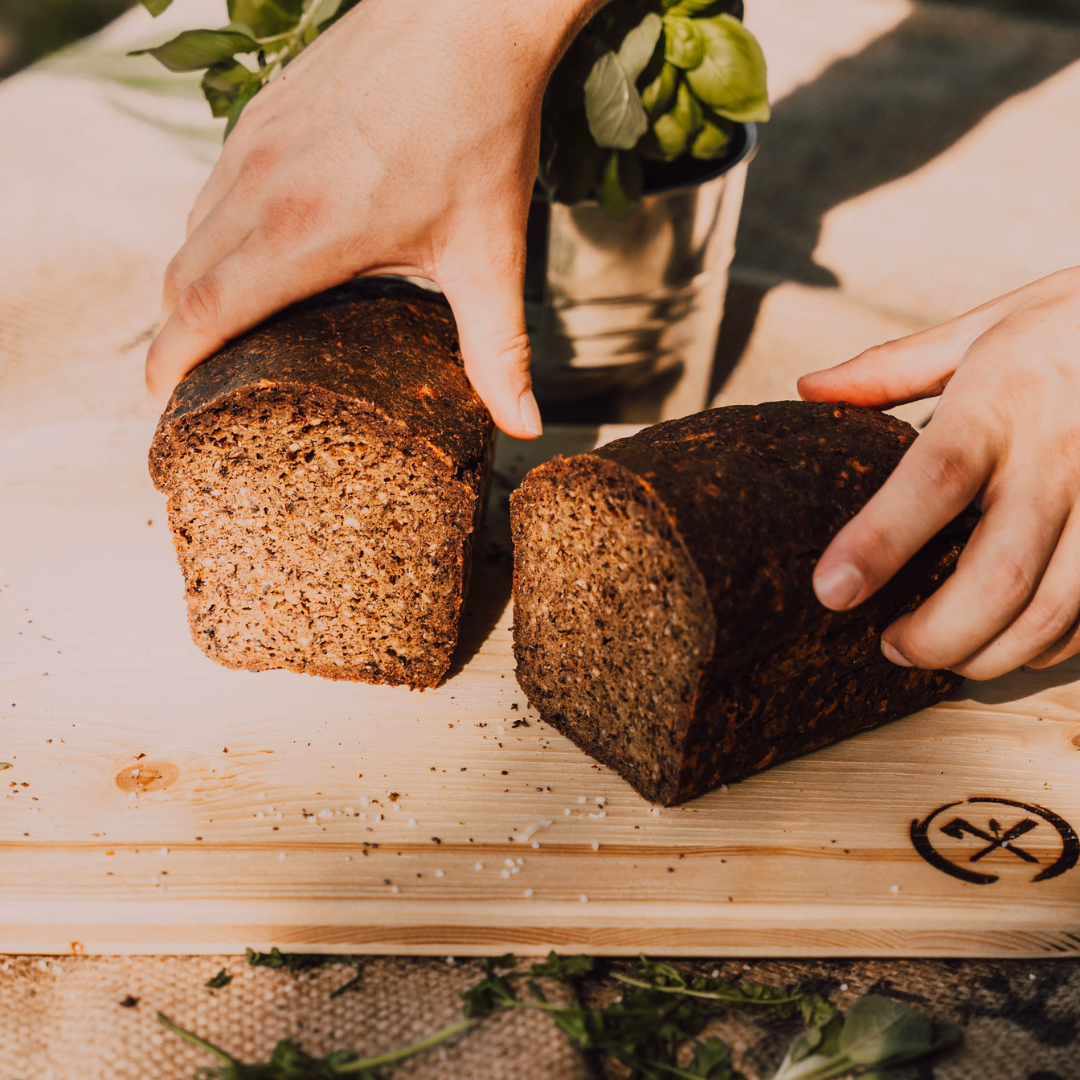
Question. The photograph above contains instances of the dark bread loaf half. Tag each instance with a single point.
(326, 474)
(664, 617)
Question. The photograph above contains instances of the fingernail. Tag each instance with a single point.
(530, 414)
(838, 586)
(894, 655)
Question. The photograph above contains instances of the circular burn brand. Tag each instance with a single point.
(978, 834)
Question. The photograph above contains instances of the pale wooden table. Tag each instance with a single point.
(159, 803)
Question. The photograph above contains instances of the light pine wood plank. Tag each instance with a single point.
(159, 803)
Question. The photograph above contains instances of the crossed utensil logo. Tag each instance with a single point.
(996, 838)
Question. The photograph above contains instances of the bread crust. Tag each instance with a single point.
(754, 494)
(381, 359)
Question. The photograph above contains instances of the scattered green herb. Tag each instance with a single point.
(645, 80)
(289, 1062)
(221, 979)
(295, 963)
(648, 1030)
(877, 1033)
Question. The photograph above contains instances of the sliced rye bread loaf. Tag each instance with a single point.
(664, 617)
(326, 474)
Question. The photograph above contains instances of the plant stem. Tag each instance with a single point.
(403, 1052)
(674, 1070)
(194, 1040)
(735, 999)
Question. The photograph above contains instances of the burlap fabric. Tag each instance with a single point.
(93, 1018)
(81, 256)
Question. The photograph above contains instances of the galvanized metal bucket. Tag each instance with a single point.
(617, 303)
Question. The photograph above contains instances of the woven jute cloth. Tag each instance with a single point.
(94, 1018)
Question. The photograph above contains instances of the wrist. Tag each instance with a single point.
(550, 25)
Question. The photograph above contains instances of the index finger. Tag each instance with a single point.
(938, 477)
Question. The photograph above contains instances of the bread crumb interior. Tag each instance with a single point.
(609, 630)
(320, 541)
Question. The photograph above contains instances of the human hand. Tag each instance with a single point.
(1007, 434)
(404, 140)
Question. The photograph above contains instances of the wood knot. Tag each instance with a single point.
(147, 776)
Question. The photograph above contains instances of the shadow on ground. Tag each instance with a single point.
(872, 118)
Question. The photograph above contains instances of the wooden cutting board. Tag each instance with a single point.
(158, 803)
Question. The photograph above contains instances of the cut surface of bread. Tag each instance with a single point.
(322, 517)
(664, 616)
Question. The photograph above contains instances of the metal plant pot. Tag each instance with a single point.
(618, 303)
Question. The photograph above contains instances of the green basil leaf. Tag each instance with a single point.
(684, 45)
(689, 8)
(266, 17)
(224, 83)
(711, 1060)
(194, 50)
(677, 127)
(620, 185)
(564, 967)
(814, 1008)
(880, 1031)
(639, 45)
(946, 1036)
(659, 95)
(731, 77)
(220, 980)
(327, 10)
(710, 142)
(813, 1051)
(613, 106)
(156, 7)
(238, 106)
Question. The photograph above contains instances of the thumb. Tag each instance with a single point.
(489, 306)
(907, 369)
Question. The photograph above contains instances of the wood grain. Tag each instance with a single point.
(159, 803)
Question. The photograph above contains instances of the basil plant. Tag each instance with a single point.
(645, 84)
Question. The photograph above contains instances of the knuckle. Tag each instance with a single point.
(199, 307)
(175, 276)
(514, 348)
(1013, 581)
(256, 166)
(876, 353)
(946, 468)
(1047, 621)
(1055, 655)
(293, 219)
(500, 353)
